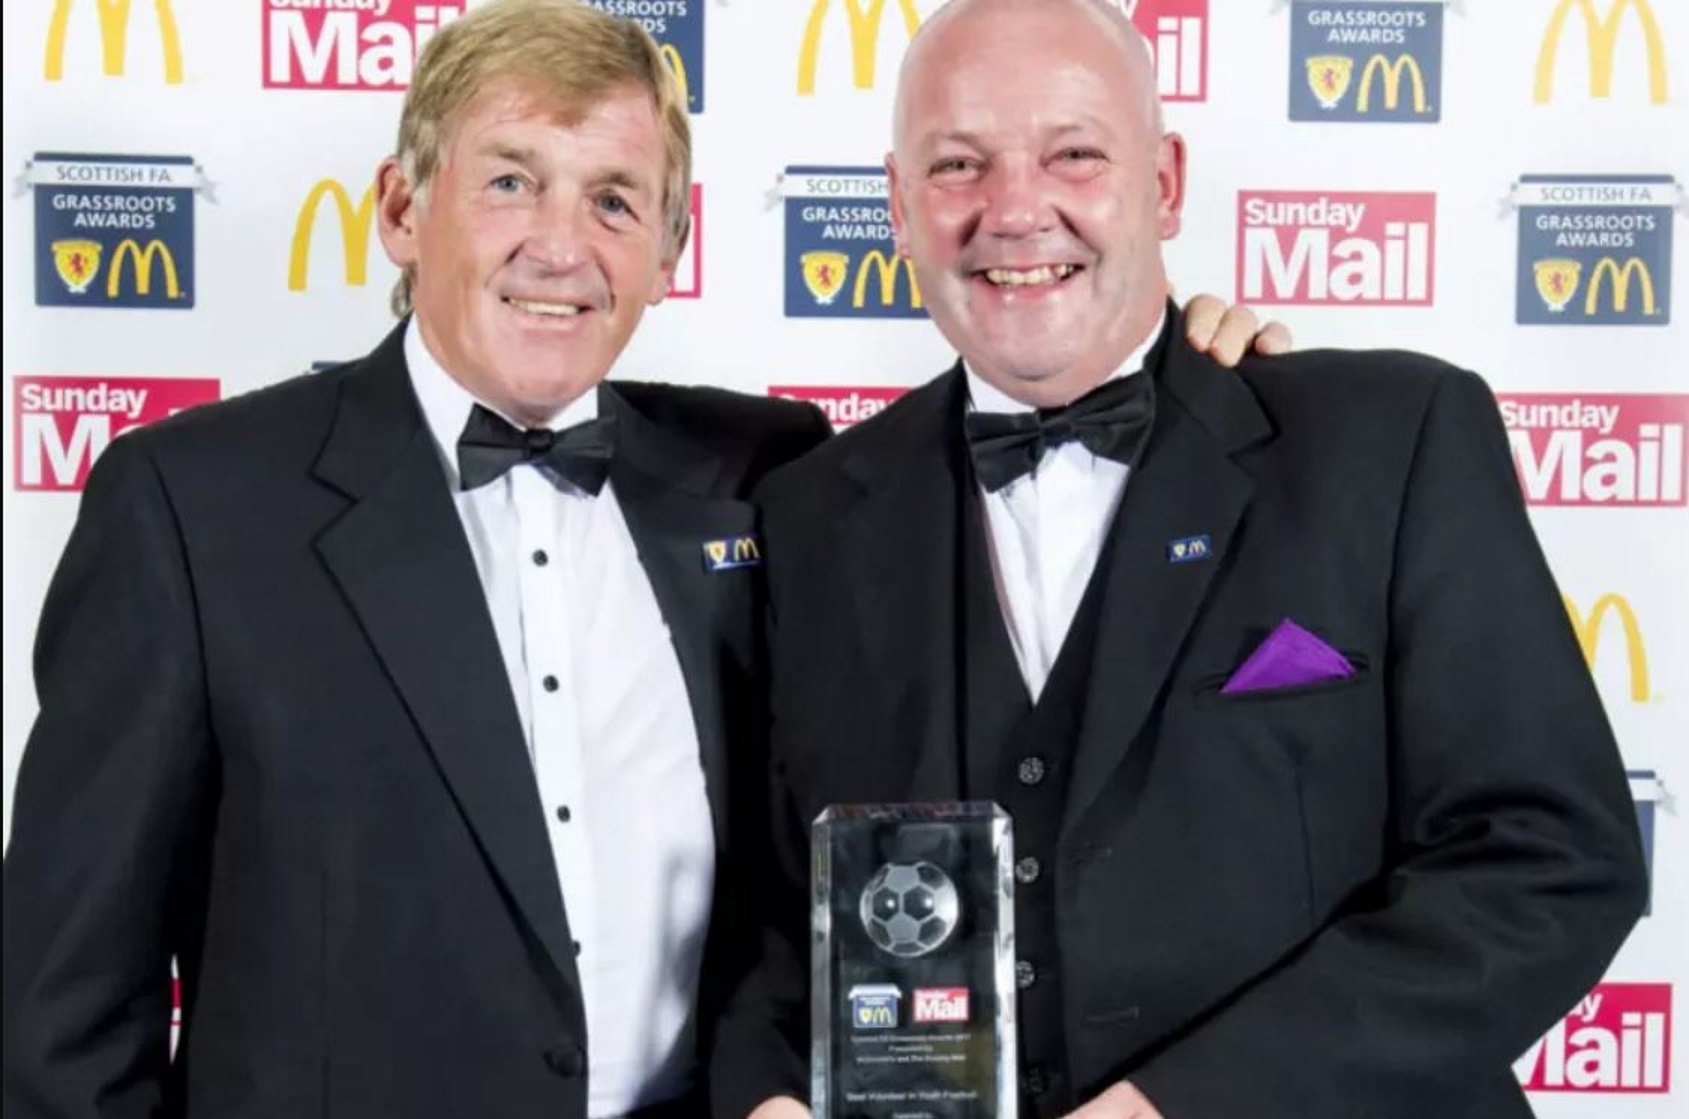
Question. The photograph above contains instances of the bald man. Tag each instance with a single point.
(1317, 814)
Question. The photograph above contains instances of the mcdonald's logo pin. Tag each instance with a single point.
(729, 552)
(1190, 549)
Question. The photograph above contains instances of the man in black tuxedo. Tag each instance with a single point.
(349, 684)
(1317, 813)
(408, 706)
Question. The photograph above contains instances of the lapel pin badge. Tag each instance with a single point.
(1189, 549)
(729, 552)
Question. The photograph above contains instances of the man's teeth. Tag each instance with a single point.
(1015, 277)
(545, 308)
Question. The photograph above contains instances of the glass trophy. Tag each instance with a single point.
(912, 997)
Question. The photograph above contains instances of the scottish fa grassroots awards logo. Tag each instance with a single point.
(678, 27)
(843, 406)
(1617, 1039)
(1602, 20)
(60, 425)
(875, 1006)
(1599, 449)
(348, 44)
(114, 230)
(1342, 248)
(1647, 790)
(1594, 250)
(1366, 61)
(840, 259)
(113, 19)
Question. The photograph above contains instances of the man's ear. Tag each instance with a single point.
(663, 282)
(1170, 184)
(396, 212)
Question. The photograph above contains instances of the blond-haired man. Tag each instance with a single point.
(396, 704)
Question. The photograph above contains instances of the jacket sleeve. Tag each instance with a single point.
(1515, 869)
(104, 871)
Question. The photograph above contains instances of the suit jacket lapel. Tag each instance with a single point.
(1186, 485)
(400, 557)
(901, 544)
(665, 486)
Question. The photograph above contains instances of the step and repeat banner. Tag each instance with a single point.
(1498, 182)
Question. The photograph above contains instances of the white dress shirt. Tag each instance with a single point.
(1046, 531)
(609, 730)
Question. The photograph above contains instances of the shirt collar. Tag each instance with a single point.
(446, 404)
(983, 396)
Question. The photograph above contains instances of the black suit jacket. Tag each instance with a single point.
(1358, 898)
(277, 742)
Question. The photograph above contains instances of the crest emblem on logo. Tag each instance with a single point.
(77, 262)
(824, 273)
(1557, 281)
(1328, 77)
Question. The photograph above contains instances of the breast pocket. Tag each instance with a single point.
(1326, 746)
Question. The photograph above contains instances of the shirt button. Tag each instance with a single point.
(566, 1060)
(575, 947)
(1036, 1082)
(1031, 771)
(1025, 974)
(549, 683)
(563, 813)
(540, 558)
(1027, 871)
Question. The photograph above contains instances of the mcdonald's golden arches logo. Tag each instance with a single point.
(1391, 75)
(886, 266)
(1620, 274)
(1602, 32)
(355, 223)
(1588, 628)
(143, 259)
(677, 66)
(730, 552)
(864, 19)
(113, 16)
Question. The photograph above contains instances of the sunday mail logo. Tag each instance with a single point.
(688, 279)
(940, 1004)
(1366, 61)
(348, 44)
(1336, 248)
(1594, 250)
(1601, 449)
(1177, 34)
(678, 27)
(843, 406)
(60, 425)
(1617, 1039)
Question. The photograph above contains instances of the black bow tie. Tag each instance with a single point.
(1111, 421)
(489, 446)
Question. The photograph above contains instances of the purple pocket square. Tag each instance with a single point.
(1290, 657)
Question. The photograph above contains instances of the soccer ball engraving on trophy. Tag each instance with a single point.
(909, 909)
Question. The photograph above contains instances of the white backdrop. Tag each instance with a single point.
(1450, 205)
